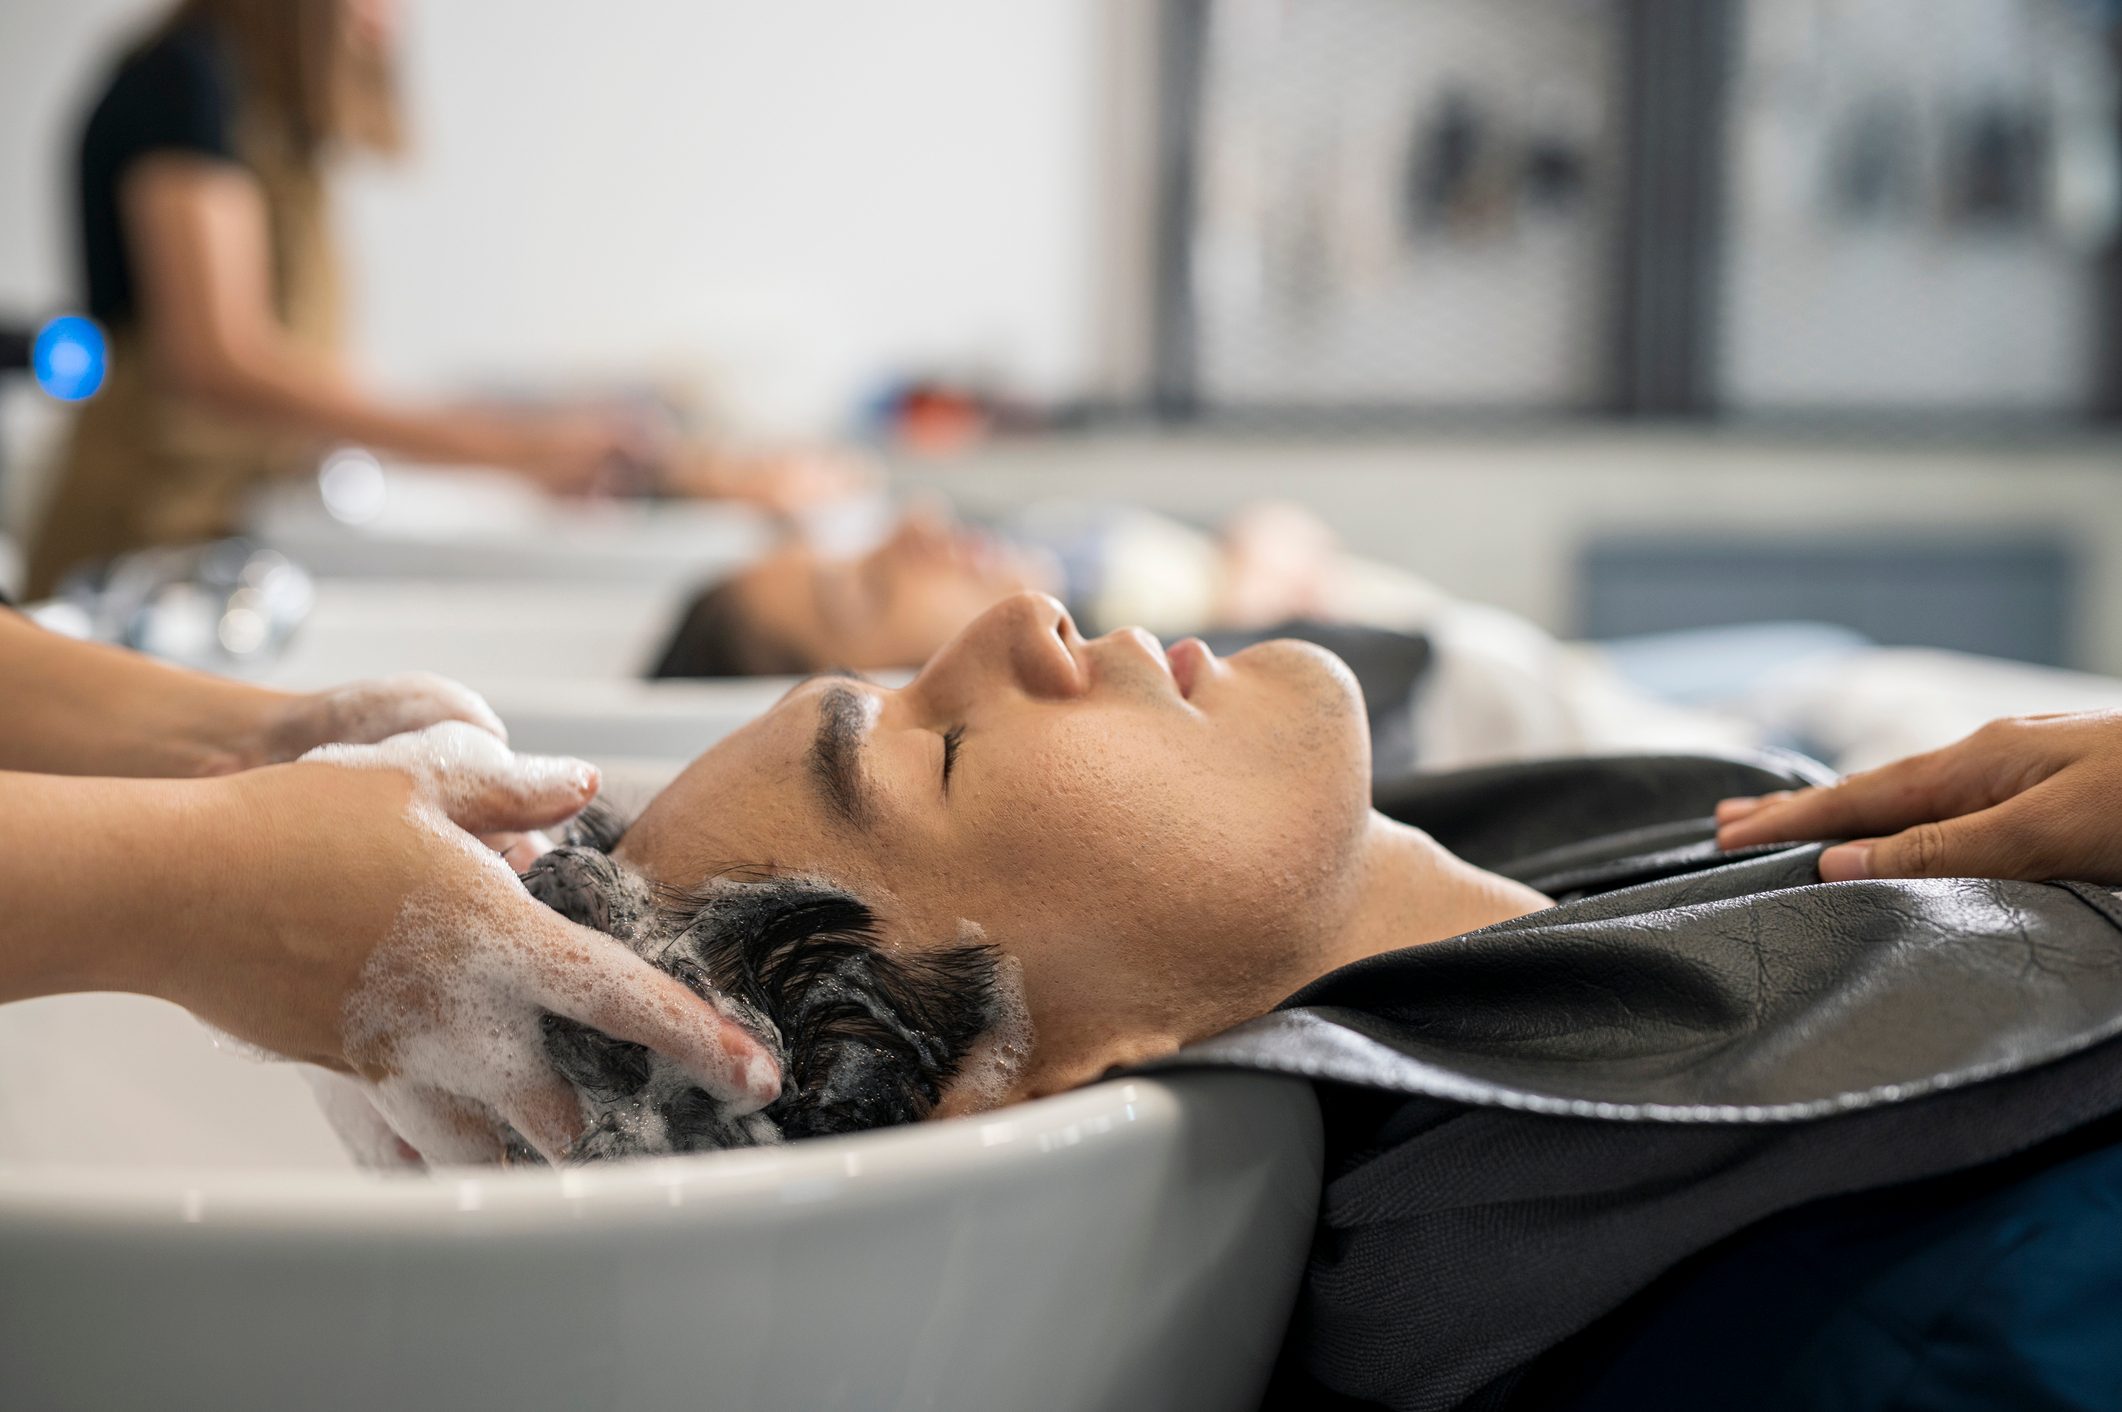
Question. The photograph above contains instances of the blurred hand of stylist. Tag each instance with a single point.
(2030, 797)
(780, 482)
(580, 452)
(364, 712)
(338, 910)
(202, 251)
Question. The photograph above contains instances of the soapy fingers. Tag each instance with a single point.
(459, 992)
(365, 712)
(466, 777)
(349, 1105)
(384, 940)
(2028, 797)
(444, 1129)
(608, 988)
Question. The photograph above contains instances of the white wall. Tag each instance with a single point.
(831, 187)
(802, 196)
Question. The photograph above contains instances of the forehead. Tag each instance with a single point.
(781, 584)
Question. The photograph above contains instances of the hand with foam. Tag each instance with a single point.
(2030, 797)
(365, 712)
(380, 938)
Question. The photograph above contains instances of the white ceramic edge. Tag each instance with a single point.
(860, 1168)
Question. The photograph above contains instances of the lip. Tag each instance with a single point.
(1124, 652)
(1190, 661)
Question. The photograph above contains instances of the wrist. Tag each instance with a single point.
(133, 876)
(222, 728)
(487, 438)
(216, 887)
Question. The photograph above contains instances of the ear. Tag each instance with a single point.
(996, 1068)
(981, 1085)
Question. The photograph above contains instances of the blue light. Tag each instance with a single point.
(68, 358)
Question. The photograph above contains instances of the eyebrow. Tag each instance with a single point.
(836, 755)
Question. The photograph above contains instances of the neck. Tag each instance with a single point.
(1411, 889)
(1406, 889)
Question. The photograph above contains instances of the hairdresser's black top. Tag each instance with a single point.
(177, 94)
(1529, 1124)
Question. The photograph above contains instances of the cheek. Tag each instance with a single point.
(965, 596)
(1145, 838)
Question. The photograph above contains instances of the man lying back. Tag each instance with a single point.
(1563, 1042)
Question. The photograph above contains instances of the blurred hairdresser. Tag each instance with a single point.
(206, 242)
(164, 838)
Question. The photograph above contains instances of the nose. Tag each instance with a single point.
(1026, 643)
(927, 520)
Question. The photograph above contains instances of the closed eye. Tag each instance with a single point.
(951, 738)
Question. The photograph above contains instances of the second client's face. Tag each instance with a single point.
(894, 606)
(1127, 826)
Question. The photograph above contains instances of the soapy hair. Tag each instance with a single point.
(867, 1036)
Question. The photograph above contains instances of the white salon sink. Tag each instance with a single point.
(416, 522)
(561, 665)
(177, 1231)
(645, 720)
(476, 632)
(472, 525)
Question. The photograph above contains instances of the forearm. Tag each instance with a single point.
(80, 708)
(282, 388)
(199, 233)
(338, 913)
(106, 880)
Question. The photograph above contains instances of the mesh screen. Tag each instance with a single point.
(1910, 206)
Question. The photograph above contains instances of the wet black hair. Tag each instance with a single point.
(868, 1036)
(718, 637)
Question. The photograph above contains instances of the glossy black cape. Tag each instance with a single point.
(1529, 1123)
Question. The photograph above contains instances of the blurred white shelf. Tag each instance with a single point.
(483, 525)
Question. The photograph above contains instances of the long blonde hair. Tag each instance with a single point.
(310, 84)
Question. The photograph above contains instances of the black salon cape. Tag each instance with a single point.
(1528, 1124)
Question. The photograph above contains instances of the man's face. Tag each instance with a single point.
(1113, 819)
(894, 606)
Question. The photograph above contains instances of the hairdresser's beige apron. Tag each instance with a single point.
(147, 466)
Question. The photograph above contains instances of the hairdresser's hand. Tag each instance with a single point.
(2031, 797)
(370, 933)
(782, 482)
(364, 712)
(585, 452)
(83, 708)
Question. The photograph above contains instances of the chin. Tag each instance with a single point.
(1309, 668)
(1322, 693)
